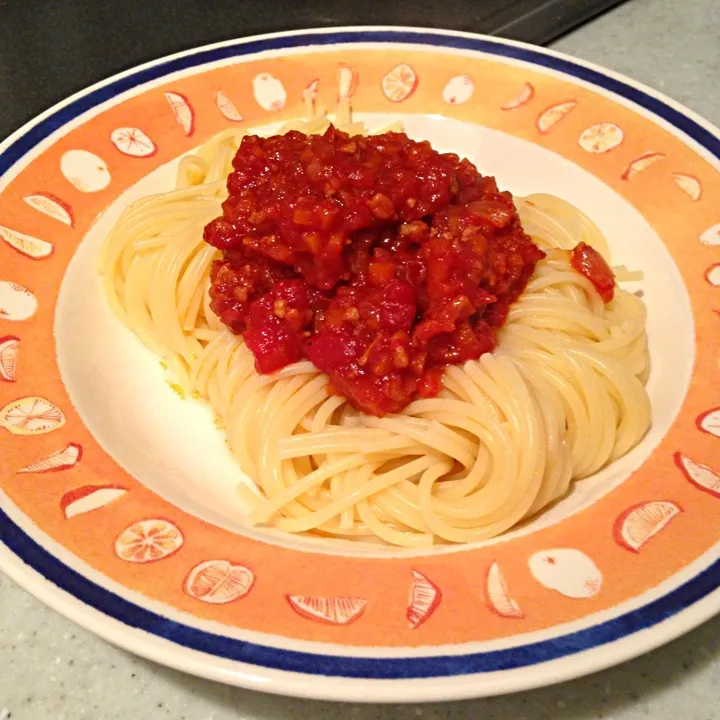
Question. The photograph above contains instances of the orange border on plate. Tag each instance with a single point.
(462, 616)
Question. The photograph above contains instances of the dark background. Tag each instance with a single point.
(50, 49)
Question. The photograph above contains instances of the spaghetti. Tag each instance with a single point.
(561, 395)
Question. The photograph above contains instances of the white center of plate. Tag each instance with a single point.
(172, 446)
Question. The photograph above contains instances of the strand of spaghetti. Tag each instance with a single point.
(559, 224)
(274, 474)
(191, 171)
(209, 362)
(393, 127)
(399, 503)
(245, 402)
(558, 315)
(340, 484)
(325, 443)
(221, 165)
(175, 196)
(239, 371)
(624, 386)
(430, 435)
(577, 419)
(191, 287)
(361, 492)
(502, 497)
(204, 334)
(599, 412)
(493, 436)
(269, 507)
(250, 427)
(629, 391)
(188, 318)
(355, 478)
(383, 530)
(322, 417)
(295, 399)
(137, 316)
(162, 299)
(425, 496)
(567, 282)
(209, 151)
(558, 472)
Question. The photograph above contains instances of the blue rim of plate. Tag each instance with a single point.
(394, 668)
(373, 668)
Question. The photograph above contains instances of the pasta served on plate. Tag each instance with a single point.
(461, 450)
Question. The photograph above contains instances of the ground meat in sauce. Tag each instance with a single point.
(590, 263)
(377, 258)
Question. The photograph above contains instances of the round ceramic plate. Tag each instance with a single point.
(117, 504)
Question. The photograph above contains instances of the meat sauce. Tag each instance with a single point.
(377, 258)
(590, 263)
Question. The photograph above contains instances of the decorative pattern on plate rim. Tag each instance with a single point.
(77, 168)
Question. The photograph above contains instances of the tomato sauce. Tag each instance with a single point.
(589, 262)
(377, 258)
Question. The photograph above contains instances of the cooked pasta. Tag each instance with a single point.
(561, 396)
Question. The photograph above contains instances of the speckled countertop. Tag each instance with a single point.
(52, 670)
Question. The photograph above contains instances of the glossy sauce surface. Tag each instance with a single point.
(377, 258)
(590, 263)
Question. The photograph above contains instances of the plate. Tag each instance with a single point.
(112, 487)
